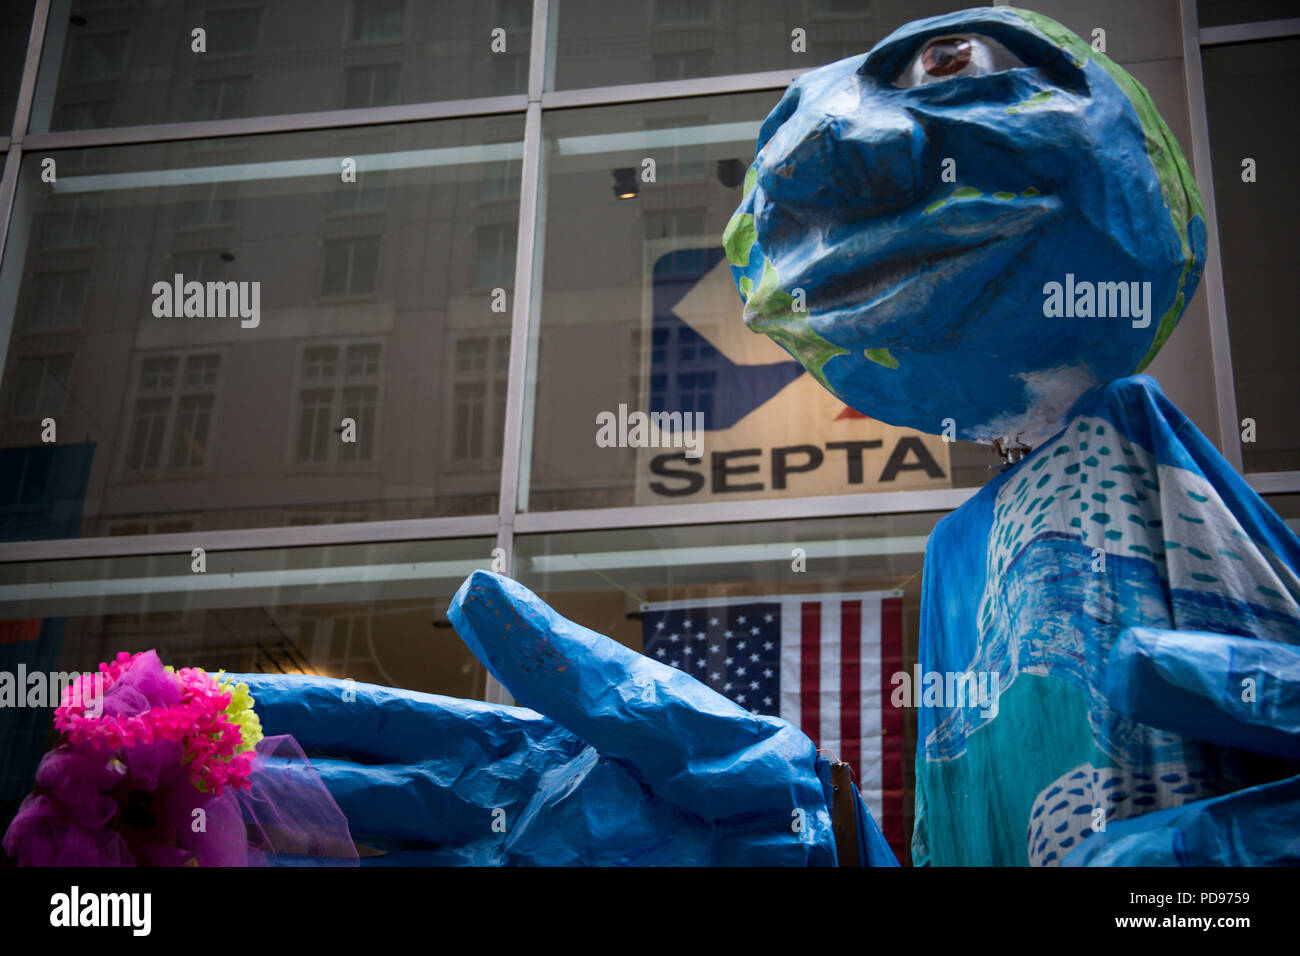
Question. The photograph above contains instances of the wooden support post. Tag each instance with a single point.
(844, 815)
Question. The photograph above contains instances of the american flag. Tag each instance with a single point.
(821, 661)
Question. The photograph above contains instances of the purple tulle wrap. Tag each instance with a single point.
(137, 805)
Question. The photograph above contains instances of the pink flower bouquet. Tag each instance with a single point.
(157, 767)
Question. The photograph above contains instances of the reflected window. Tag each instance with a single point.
(97, 57)
(509, 73)
(377, 20)
(372, 86)
(204, 266)
(678, 12)
(173, 410)
(501, 180)
(72, 220)
(224, 97)
(40, 386)
(193, 416)
(514, 14)
(368, 194)
(682, 65)
(351, 266)
(95, 114)
(495, 259)
(213, 205)
(59, 300)
(480, 372)
(339, 382)
(232, 31)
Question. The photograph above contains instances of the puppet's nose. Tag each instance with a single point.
(863, 163)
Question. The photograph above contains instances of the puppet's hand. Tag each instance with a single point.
(633, 761)
(1233, 691)
(418, 776)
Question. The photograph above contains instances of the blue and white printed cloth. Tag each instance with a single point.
(1128, 518)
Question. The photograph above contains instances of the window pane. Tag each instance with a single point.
(604, 44)
(201, 370)
(314, 426)
(157, 373)
(648, 274)
(132, 64)
(192, 418)
(1249, 87)
(604, 580)
(148, 424)
(284, 321)
(363, 274)
(360, 404)
(469, 419)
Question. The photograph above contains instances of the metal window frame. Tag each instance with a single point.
(1245, 32)
(1212, 279)
(510, 519)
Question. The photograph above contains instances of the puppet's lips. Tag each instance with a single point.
(866, 264)
(863, 286)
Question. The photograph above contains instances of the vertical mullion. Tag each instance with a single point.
(27, 89)
(14, 157)
(524, 244)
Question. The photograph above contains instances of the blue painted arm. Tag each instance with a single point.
(621, 760)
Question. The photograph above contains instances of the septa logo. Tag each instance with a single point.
(770, 429)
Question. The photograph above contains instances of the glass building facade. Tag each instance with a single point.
(459, 232)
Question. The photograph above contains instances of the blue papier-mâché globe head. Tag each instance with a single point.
(980, 220)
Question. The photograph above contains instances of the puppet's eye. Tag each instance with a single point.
(942, 58)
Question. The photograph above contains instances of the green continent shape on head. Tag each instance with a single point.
(1176, 180)
(738, 238)
(771, 310)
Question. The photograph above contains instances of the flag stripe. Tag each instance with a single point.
(791, 637)
(891, 744)
(869, 772)
(810, 671)
(828, 688)
(850, 681)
